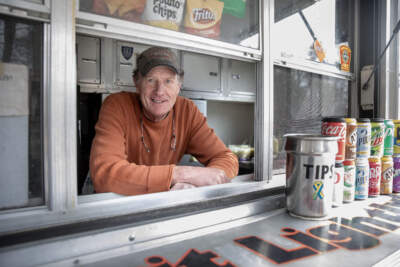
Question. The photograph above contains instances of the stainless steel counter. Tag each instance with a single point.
(363, 233)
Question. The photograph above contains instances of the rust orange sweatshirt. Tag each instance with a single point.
(120, 163)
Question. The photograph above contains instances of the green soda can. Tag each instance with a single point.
(388, 138)
(377, 132)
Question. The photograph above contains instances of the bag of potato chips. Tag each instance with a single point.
(164, 13)
(203, 17)
(124, 9)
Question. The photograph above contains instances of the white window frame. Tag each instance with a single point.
(62, 205)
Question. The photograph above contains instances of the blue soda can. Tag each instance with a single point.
(362, 178)
(363, 138)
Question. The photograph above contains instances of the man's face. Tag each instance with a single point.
(158, 91)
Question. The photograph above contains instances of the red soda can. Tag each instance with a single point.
(375, 169)
(334, 126)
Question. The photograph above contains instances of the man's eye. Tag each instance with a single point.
(149, 80)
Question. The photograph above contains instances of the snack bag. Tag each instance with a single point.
(124, 9)
(236, 8)
(164, 13)
(203, 17)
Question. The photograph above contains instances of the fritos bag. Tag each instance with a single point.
(164, 13)
(124, 9)
(203, 17)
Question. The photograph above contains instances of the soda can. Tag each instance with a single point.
(387, 175)
(349, 180)
(351, 138)
(377, 134)
(362, 179)
(396, 138)
(363, 138)
(375, 169)
(388, 138)
(334, 126)
(338, 185)
(396, 175)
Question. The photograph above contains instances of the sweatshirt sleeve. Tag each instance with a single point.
(208, 148)
(109, 167)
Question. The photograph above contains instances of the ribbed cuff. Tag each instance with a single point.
(159, 178)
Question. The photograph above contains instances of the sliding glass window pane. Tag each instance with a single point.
(329, 22)
(233, 21)
(21, 172)
(301, 99)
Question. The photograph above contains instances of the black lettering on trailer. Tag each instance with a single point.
(344, 237)
(307, 240)
(382, 214)
(192, 258)
(359, 223)
(157, 261)
(385, 207)
(272, 252)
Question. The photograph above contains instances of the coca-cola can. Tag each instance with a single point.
(375, 169)
(334, 126)
(351, 138)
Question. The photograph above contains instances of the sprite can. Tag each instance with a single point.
(388, 138)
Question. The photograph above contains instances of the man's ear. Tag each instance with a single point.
(136, 79)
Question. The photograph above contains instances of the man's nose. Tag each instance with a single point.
(160, 87)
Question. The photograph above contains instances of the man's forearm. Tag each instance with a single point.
(198, 176)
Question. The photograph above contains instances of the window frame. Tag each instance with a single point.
(62, 205)
(329, 71)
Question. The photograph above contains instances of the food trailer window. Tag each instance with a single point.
(312, 41)
(21, 157)
(304, 98)
(232, 21)
(224, 90)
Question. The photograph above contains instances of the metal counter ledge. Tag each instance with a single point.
(362, 233)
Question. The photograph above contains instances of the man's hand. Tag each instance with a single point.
(198, 176)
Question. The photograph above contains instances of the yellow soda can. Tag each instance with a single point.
(387, 175)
